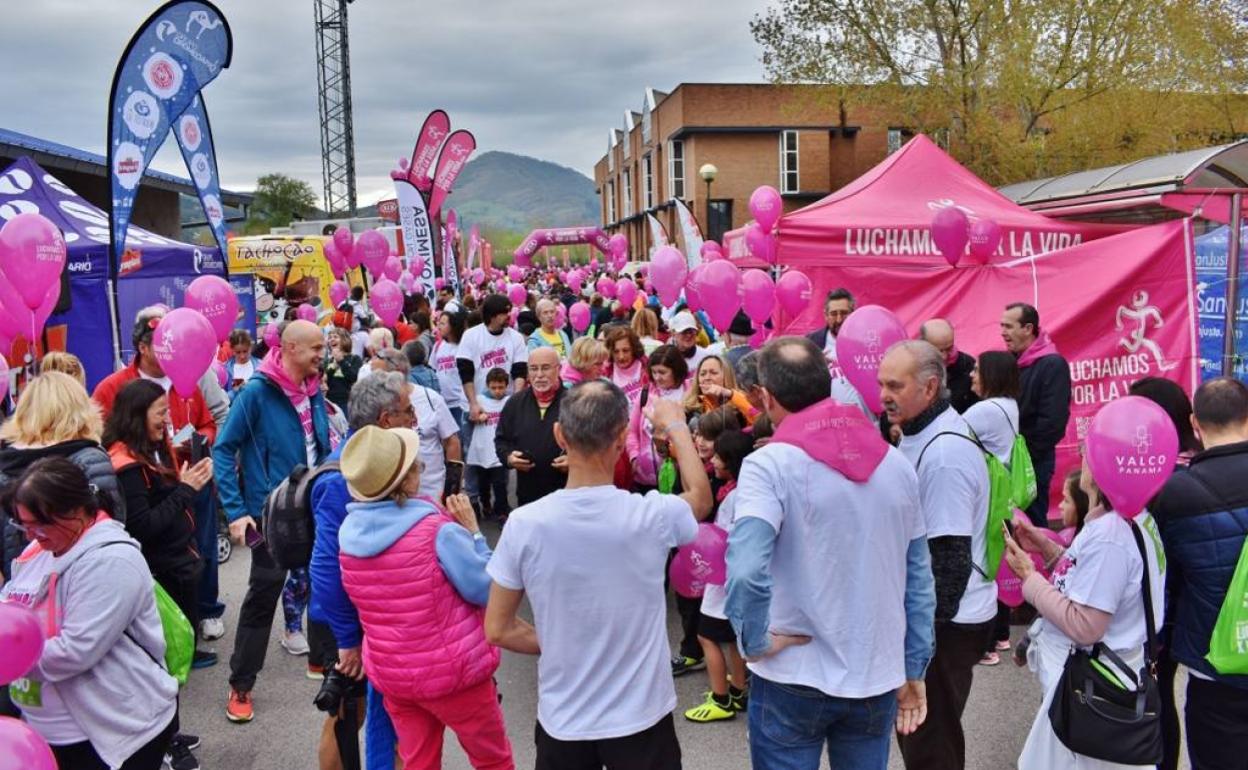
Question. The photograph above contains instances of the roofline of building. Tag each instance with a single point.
(684, 131)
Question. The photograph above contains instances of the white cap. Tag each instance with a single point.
(683, 322)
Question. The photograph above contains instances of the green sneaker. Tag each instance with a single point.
(740, 702)
(682, 665)
(710, 711)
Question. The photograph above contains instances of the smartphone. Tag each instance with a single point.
(1009, 528)
(253, 538)
(199, 447)
(454, 478)
(528, 458)
(183, 435)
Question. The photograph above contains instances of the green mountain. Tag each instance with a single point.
(502, 191)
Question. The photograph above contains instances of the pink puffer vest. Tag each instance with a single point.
(421, 639)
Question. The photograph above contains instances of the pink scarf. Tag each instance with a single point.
(571, 374)
(837, 436)
(300, 395)
(1043, 346)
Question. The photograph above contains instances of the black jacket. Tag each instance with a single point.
(959, 380)
(1203, 517)
(1044, 406)
(84, 453)
(521, 427)
(819, 337)
(161, 519)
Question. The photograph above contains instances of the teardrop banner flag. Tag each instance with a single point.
(181, 48)
(459, 146)
(474, 243)
(658, 233)
(449, 271)
(194, 137)
(417, 233)
(432, 134)
(691, 232)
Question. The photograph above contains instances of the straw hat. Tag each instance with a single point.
(376, 460)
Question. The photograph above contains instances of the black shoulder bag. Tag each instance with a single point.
(1096, 713)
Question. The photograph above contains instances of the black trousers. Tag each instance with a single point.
(690, 610)
(654, 748)
(1000, 627)
(184, 590)
(939, 744)
(1217, 725)
(1171, 738)
(82, 756)
(255, 619)
(491, 486)
(1038, 511)
(322, 647)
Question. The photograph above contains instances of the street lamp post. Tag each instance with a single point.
(708, 173)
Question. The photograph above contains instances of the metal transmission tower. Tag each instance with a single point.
(333, 76)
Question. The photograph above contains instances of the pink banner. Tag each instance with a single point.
(1118, 308)
(435, 129)
(474, 243)
(449, 269)
(559, 235)
(451, 161)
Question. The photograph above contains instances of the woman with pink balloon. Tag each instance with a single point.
(82, 639)
(1106, 591)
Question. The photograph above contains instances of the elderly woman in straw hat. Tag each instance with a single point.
(417, 576)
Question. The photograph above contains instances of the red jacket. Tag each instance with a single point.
(182, 411)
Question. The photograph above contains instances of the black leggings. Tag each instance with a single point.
(82, 756)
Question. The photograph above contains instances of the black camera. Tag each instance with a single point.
(334, 689)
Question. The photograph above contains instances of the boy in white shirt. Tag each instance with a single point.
(489, 476)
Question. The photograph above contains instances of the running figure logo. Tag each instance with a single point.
(1142, 314)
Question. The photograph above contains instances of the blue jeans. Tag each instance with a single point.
(789, 725)
(205, 508)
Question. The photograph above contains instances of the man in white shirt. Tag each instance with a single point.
(953, 488)
(834, 651)
(591, 559)
(491, 344)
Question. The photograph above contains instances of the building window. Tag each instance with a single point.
(897, 138)
(719, 220)
(647, 182)
(788, 162)
(628, 193)
(611, 201)
(676, 169)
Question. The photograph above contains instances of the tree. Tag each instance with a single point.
(1024, 88)
(279, 199)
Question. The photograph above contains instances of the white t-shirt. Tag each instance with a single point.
(953, 485)
(838, 569)
(489, 351)
(434, 424)
(995, 422)
(715, 596)
(481, 451)
(1102, 569)
(592, 562)
(359, 341)
(244, 371)
(829, 352)
(163, 382)
(694, 360)
(443, 362)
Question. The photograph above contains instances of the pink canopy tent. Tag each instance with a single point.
(884, 218)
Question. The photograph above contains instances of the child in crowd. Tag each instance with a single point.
(715, 633)
(706, 429)
(489, 476)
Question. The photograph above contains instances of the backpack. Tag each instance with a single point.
(1000, 505)
(1022, 472)
(289, 527)
(1228, 645)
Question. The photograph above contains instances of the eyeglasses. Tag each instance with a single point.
(29, 530)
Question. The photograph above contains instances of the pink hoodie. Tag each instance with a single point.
(1043, 346)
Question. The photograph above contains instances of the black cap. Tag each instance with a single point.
(741, 325)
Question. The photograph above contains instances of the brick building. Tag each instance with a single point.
(796, 138)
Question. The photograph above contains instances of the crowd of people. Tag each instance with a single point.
(858, 598)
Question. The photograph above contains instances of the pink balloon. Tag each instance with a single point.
(693, 294)
(439, 283)
(337, 265)
(32, 256)
(606, 287)
(719, 286)
(416, 266)
(766, 207)
(185, 346)
(758, 295)
(1009, 586)
(306, 312)
(515, 273)
(386, 300)
(408, 283)
(668, 272)
(759, 338)
(950, 233)
(561, 316)
(575, 281)
(761, 243)
(393, 268)
(21, 638)
(985, 236)
(371, 250)
(14, 315)
(1131, 449)
(626, 292)
(617, 246)
(793, 292)
(44, 311)
(212, 297)
(579, 314)
(865, 336)
(344, 242)
(701, 562)
(338, 292)
(272, 336)
(22, 747)
(517, 294)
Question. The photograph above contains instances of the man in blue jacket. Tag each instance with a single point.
(277, 421)
(384, 400)
(1203, 518)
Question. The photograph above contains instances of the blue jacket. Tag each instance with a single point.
(536, 341)
(329, 602)
(1203, 517)
(260, 444)
(426, 376)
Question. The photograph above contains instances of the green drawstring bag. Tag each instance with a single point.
(1022, 474)
(1000, 505)
(179, 636)
(1228, 646)
(667, 476)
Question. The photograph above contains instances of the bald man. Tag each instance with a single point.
(525, 440)
(277, 422)
(958, 365)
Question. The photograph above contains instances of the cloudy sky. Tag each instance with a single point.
(545, 78)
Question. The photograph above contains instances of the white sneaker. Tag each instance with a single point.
(211, 628)
(295, 643)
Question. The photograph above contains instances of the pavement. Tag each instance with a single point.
(284, 734)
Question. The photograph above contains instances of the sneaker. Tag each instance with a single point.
(682, 665)
(295, 642)
(203, 659)
(211, 628)
(315, 672)
(239, 708)
(1003, 645)
(741, 702)
(710, 711)
(179, 757)
(186, 739)
(990, 659)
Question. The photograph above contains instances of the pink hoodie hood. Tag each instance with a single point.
(836, 435)
(272, 368)
(1043, 346)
